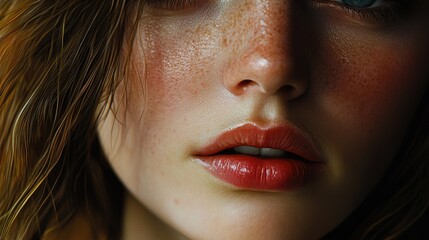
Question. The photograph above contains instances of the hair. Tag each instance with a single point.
(59, 61)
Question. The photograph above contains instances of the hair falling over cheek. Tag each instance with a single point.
(61, 63)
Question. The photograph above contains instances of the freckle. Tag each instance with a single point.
(176, 201)
(224, 42)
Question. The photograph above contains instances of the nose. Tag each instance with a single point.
(266, 60)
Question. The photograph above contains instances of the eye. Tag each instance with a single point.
(359, 3)
(374, 12)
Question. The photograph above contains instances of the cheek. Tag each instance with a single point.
(177, 67)
(367, 90)
(371, 83)
(185, 60)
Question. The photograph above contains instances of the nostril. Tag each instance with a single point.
(288, 89)
(243, 85)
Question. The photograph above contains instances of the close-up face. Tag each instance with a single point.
(265, 119)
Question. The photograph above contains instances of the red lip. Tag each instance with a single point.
(257, 172)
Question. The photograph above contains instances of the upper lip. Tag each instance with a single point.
(285, 137)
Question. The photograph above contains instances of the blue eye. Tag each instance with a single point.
(359, 3)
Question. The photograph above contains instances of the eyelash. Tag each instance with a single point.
(387, 12)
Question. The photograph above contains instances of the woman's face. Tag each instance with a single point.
(332, 89)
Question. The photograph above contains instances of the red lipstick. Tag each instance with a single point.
(275, 158)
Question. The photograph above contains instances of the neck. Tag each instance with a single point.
(140, 223)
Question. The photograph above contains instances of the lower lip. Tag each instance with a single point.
(251, 172)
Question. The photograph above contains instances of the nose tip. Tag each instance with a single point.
(266, 75)
(268, 60)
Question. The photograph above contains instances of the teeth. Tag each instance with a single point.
(265, 152)
(247, 150)
(271, 152)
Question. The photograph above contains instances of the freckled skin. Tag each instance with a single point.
(352, 88)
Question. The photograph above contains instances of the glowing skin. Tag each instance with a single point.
(352, 86)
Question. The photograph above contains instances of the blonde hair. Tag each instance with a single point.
(59, 61)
